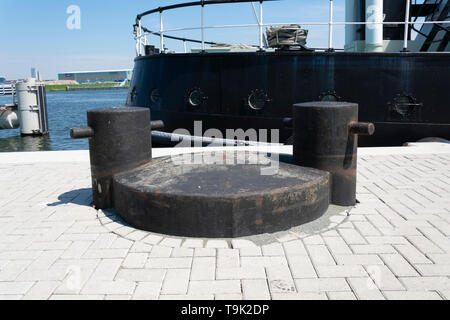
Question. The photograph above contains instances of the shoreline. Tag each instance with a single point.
(69, 88)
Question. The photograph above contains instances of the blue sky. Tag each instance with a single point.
(34, 33)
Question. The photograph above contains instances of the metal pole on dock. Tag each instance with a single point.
(261, 35)
(330, 27)
(203, 27)
(405, 39)
(161, 31)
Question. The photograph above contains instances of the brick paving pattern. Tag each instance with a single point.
(395, 244)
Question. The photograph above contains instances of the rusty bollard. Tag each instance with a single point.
(326, 138)
(119, 140)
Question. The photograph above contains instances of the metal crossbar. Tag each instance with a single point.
(141, 32)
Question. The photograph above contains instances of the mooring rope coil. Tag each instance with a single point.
(286, 35)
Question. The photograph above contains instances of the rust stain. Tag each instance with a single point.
(259, 201)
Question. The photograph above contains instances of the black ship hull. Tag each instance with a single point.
(406, 95)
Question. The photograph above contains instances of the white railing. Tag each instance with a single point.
(141, 36)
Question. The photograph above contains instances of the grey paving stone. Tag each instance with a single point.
(248, 272)
(273, 249)
(399, 265)
(322, 285)
(365, 289)
(203, 268)
(214, 287)
(160, 252)
(412, 254)
(299, 296)
(255, 290)
(141, 275)
(147, 291)
(358, 259)
(15, 287)
(341, 295)
(176, 281)
(169, 263)
(433, 269)
(135, 260)
(301, 267)
(412, 295)
(106, 270)
(108, 287)
(228, 258)
(425, 283)
(384, 278)
(320, 255)
(41, 290)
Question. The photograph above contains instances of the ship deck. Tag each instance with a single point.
(395, 244)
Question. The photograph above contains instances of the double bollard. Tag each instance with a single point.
(325, 137)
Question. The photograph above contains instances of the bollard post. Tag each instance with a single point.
(119, 140)
(326, 138)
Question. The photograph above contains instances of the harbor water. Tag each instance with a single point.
(66, 109)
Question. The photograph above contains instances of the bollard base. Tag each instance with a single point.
(173, 196)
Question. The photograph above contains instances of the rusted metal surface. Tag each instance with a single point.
(362, 128)
(218, 200)
(325, 137)
(119, 140)
(157, 125)
(81, 133)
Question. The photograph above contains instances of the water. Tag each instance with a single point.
(66, 109)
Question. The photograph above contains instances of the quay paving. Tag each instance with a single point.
(395, 244)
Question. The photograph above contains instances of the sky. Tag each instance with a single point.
(36, 34)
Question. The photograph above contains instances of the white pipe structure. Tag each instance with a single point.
(161, 32)
(261, 34)
(138, 38)
(330, 27)
(374, 32)
(28, 107)
(203, 27)
(405, 40)
(351, 16)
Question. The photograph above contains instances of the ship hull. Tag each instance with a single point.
(406, 95)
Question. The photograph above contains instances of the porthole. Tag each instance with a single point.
(154, 95)
(196, 97)
(257, 100)
(329, 96)
(405, 108)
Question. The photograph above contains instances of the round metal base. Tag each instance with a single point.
(185, 196)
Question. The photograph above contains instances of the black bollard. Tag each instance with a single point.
(119, 140)
(326, 138)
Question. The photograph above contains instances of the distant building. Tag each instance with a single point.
(96, 76)
(2, 80)
(35, 74)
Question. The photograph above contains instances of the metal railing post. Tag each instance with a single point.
(261, 35)
(203, 26)
(330, 28)
(184, 45)
(161, 31)
(138, 38)
(405, 39)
